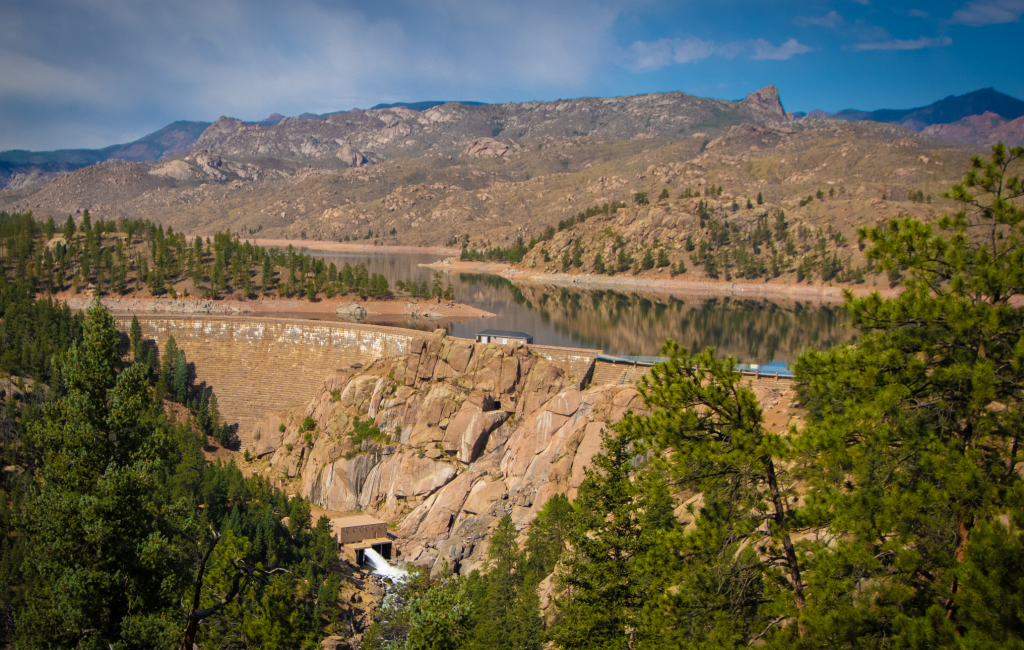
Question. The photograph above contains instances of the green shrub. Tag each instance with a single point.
(281, 428)
(364, 430)
(336, 395)
(308, 424)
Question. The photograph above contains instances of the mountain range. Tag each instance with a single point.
(498, 172)
(982, 117)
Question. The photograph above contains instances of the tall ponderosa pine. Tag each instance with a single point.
(601, 599)
(109, 555)
(509, 613)
(916, 430)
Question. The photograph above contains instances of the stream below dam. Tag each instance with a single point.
(620, 323)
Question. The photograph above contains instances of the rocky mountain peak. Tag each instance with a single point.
(767, 100)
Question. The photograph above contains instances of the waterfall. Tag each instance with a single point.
(381, 566)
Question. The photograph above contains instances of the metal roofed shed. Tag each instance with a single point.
(503, 337)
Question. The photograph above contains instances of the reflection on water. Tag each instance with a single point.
(619, 322)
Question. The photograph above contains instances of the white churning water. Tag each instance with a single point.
(381, 566)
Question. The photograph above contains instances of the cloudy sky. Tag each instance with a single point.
(88, 73)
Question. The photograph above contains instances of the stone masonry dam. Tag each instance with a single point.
(259, 365)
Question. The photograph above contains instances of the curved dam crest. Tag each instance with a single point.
(259, 365)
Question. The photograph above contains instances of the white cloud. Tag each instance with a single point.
(764, 50)
(643, 56)
(141, 65)
(831, 20)
(989, 12)
(901, 44)
(916, 13)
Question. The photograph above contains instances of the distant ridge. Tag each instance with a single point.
(171, 140)
(945, 111)
(423, 106)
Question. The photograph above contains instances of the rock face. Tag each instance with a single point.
(489, 148)
(350, 155)
(476, 431)
(767, 101)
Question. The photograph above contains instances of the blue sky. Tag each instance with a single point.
(88, 73)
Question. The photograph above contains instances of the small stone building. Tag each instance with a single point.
(357, 533)
(503, 337)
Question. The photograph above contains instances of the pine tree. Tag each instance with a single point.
(99, 516)
(915, 463)
(720, 449)
(135, 338)
(169, 358)
(601, 601)
(214, 412)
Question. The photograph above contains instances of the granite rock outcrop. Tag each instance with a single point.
(468, 433)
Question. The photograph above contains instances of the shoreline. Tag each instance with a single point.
(348, 247)
(413, 307)
(704, 288)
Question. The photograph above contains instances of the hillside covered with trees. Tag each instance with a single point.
(138, 258)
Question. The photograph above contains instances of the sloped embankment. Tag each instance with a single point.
(476, 431)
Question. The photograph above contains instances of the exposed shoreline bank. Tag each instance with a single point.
(704, 288)
(420, 308)
(348, 247)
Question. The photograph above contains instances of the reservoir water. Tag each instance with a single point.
(618, 322)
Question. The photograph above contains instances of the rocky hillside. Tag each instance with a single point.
(468, 433)
(778, 203)
(495, 190)
(985, 130)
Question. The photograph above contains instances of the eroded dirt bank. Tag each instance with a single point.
(327, 307)
(704, 287)
(348, 247)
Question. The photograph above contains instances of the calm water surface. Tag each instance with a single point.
(619, 322)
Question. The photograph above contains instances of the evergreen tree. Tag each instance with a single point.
(181, 382)
(647, 263)
(109, 554)
(502, 618)
(169, 358)
(135, 338)
(601, 600)
(914, 463)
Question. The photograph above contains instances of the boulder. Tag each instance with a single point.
(566, 402)
(351, 312)
(337, 642)
(350, 155)
(266, 435)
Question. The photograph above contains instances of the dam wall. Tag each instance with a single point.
(260, 365)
